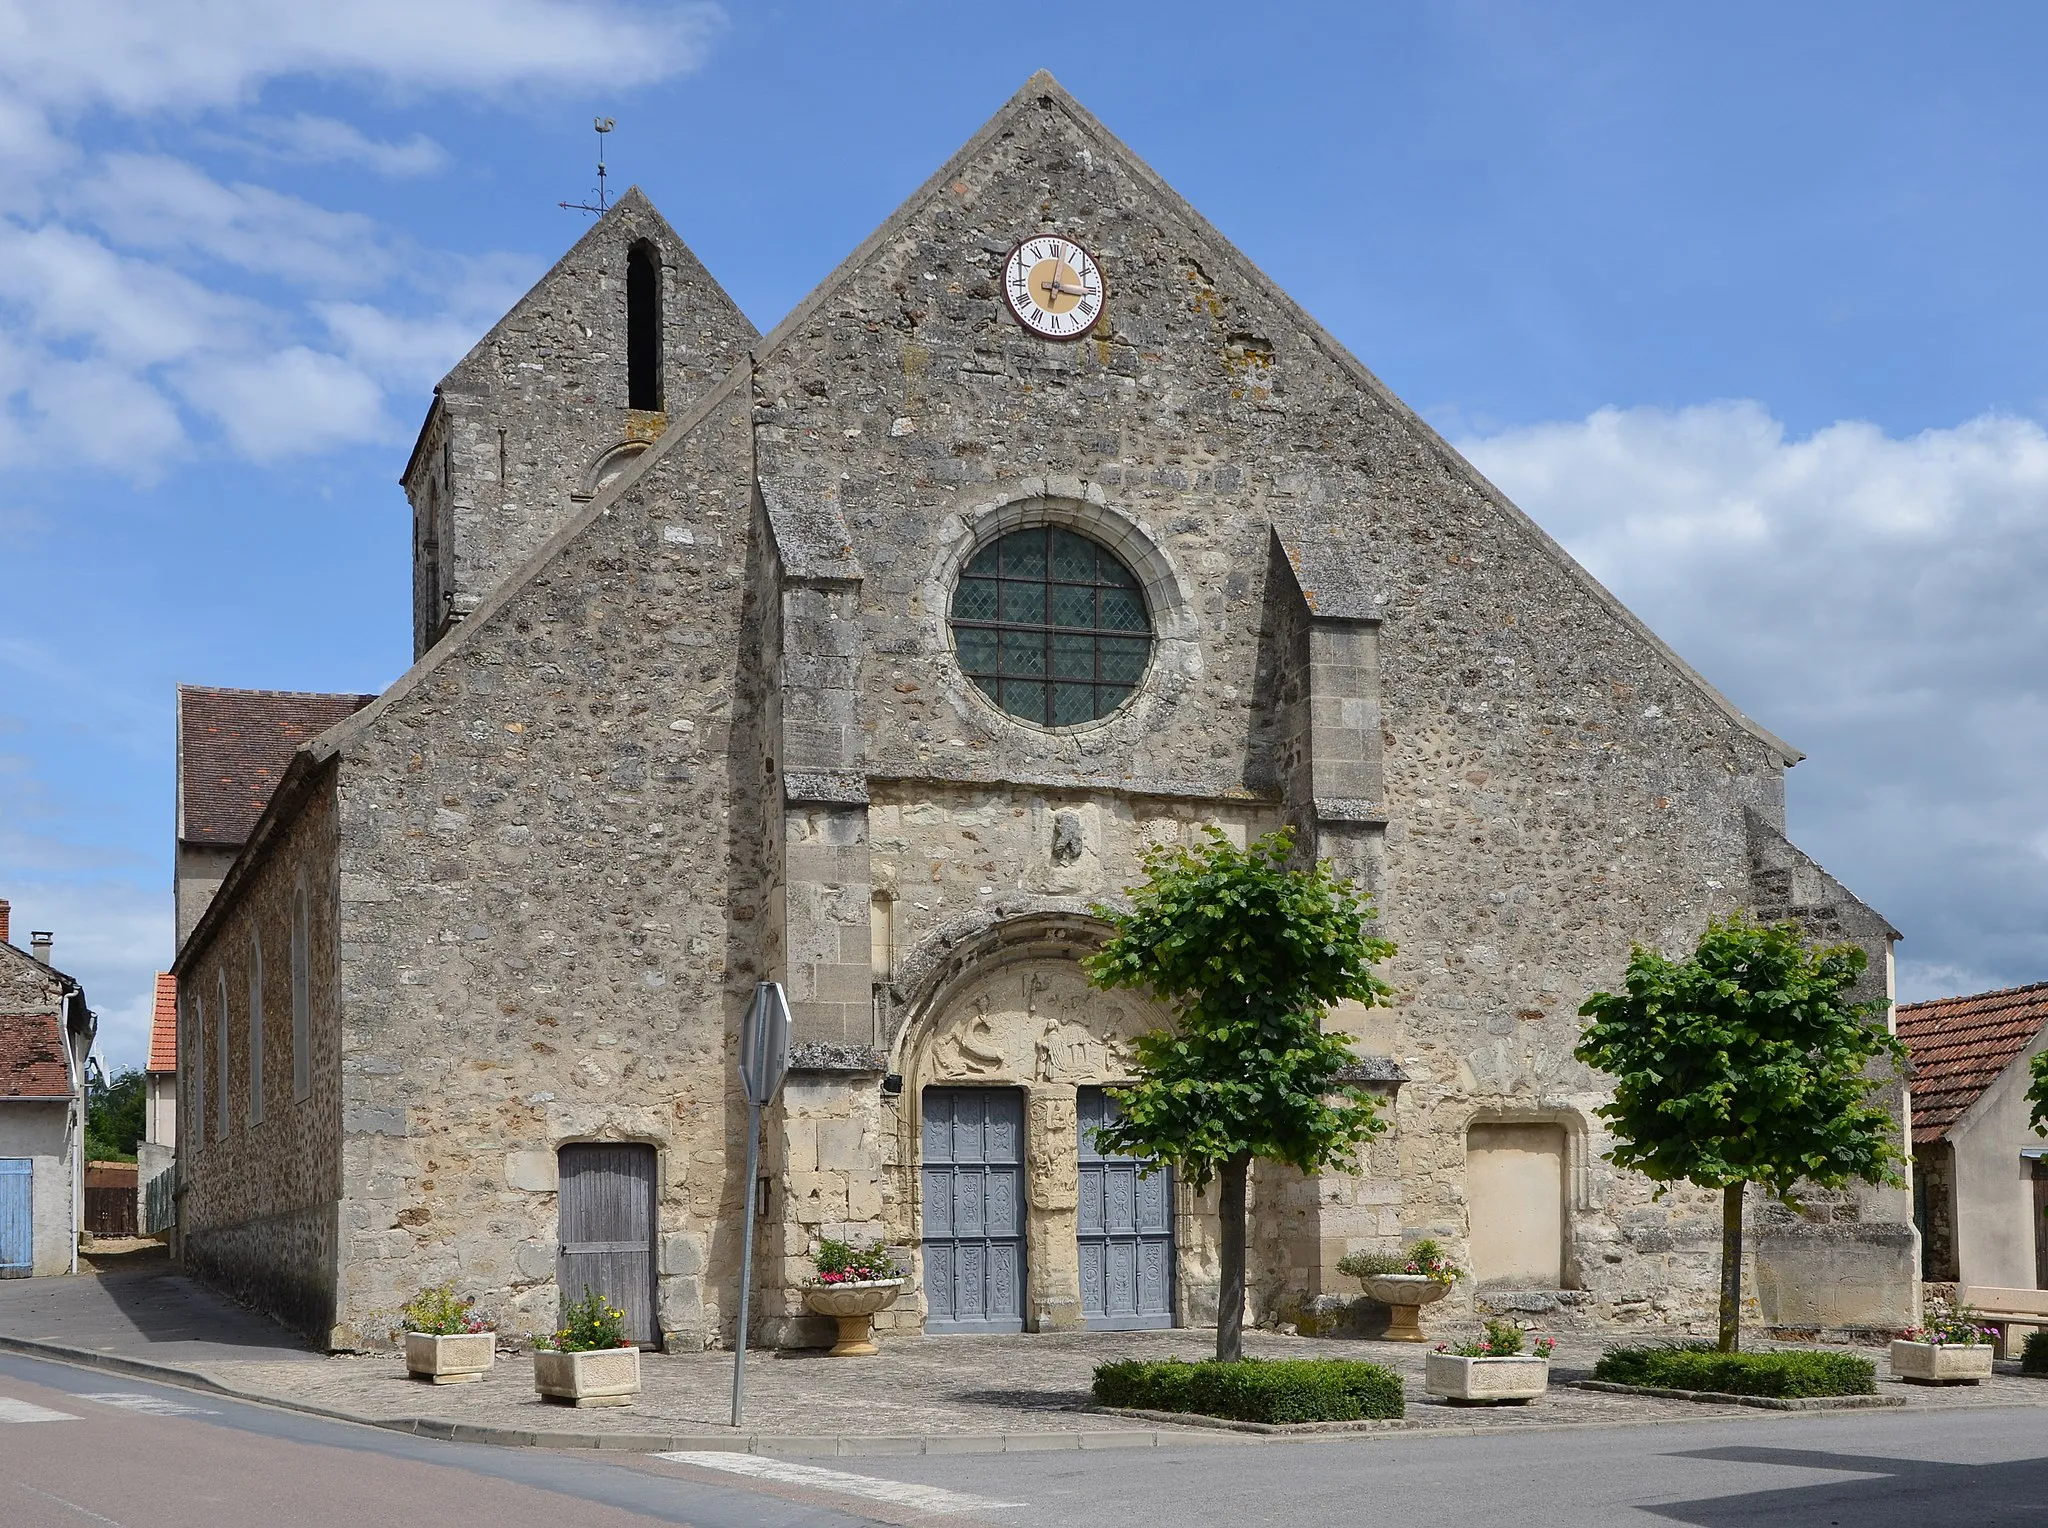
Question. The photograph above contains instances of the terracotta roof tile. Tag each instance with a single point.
(233, 746)
(32, 1057)
(163, 1026)
(1960, 1045)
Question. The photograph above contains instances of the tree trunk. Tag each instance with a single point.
(1731, 1268)
(1230, 1298)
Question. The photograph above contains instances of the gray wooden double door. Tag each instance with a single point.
(607, 1203)
(973, 1181)
(973, 1232)
(1125, 1228)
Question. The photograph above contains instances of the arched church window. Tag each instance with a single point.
(643, 328)
(1051, 626)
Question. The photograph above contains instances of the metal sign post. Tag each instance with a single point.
(764, 1061)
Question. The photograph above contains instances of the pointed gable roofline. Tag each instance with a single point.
(1042, 87)
(634, 207)
(318, 752)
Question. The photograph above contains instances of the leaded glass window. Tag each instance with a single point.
(1051, 626)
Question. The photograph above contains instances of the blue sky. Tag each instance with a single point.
(1745, 306)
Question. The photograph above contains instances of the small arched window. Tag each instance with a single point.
(255, 1029)
(643, 328)
(302, 998)
(220, 1057)
(192, 1066)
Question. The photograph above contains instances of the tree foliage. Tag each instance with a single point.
(2037, 1093)
(1249, 955)
(1745, 1063)
(114, 1114)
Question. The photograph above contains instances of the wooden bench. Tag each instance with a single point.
(2015, 1312)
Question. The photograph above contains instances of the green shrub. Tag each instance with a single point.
(2034, 1356)
(1698, 1366)
(1255, 1390)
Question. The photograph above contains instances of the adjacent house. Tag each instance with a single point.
(869, 656)
(46, 1033)
(1980, 1170)
(157, 1152)
(233, 746)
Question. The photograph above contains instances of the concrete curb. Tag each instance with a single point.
(1762, 1402)
(779, 1445)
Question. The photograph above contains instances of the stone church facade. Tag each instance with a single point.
(868, 656)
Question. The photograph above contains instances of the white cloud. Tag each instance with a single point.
(410, 351)
(154, 202)
(142, 56)
(295, 402)
(131, 278)
(1873, 600)
(307, 139)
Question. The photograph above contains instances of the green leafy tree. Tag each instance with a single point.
(1747, 1063)
(2037, 1093)
(1249, 955)
(114, 1113)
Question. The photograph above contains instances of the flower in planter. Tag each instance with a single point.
(1426, 1257)
(589, 1324)
(439, 1312)
(1953, 1325)
(839, 1262)
(1503, 1339)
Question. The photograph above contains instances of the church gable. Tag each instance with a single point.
(1204, 412)
(623, 335)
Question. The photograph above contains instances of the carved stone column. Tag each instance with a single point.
(1052, 1287)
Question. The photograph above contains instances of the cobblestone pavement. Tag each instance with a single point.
(957, 1385)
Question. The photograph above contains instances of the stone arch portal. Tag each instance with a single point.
(1020, 1034)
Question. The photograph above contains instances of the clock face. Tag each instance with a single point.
(1054, 287)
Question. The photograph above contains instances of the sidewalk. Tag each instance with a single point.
(921, 1395)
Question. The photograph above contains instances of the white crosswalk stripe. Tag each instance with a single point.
(154, 1405)
(902, 1493)
(12, 1410)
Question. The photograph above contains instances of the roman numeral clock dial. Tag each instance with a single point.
(1054, 287)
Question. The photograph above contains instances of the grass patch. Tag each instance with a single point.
(1255, 1389)
(1698, 1366)
(2034, 1354)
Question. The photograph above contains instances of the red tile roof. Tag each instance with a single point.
(1960, 1045)
(233, 746)
(163, 1026)
(32, 1057)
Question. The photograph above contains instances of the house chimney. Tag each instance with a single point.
(39, 942)
(4, 910)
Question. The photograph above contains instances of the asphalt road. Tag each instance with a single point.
(80, 1447)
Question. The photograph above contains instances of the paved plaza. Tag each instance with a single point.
(959, 1388)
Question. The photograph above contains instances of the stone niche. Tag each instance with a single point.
(1033, 1023)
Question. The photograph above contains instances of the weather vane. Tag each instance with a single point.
(603, 126)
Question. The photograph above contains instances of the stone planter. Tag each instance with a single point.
(1405, 1294)
(459, 1359)
(1941, 1363)
(1485, 1381)
(599, 1377)
(854, 1307)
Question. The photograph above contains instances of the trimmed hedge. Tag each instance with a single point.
(2034, 1355)
(1699, 1366)
(1255, 1389)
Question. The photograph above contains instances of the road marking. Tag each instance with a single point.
(154, 1405)
(902, 1493)
(60, 1501)
(12, 1410)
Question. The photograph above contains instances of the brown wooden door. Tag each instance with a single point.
(607, 1205)
(2040, 1223)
